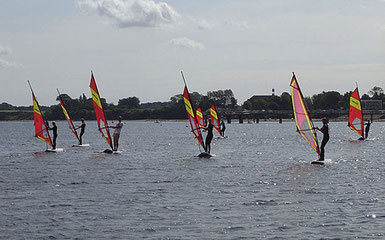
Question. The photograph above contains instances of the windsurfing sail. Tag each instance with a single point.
(214, 118)
(41, 130)
(355, 121)
(199, 116)
(302, 117)
(70, 123)
(99, 112)
(190, 114)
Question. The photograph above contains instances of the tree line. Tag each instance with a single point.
(130, 108)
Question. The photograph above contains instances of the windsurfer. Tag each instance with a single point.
(54, 131)
(209, 136)
(325, 139)
(223, 128)
(116, 135)
(367, 128)
(82, 130)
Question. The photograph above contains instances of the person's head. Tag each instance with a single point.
(324, 120)
(53, 123)
(82, 119)
(368, 120)
(120, 118)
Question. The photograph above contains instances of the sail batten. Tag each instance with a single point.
(355, 121)
(214, 118)
(41, 130)
(303, 120)
(99, 112)
(69, 121)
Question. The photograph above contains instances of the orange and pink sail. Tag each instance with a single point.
(303, 121)
(99, 112)
(67, 116)
(191, 117)
(214, 118)
(355, 121)
(41, 130)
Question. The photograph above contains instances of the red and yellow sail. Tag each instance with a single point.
(99, 112)
(41, 130)
(190, 114)
(199, 116)
(214, 118)
(67, 116)
(302, 117)
(355, 121)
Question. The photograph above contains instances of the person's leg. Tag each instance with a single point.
(54, 142)
(81, 138)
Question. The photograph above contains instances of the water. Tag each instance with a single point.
(260, 185)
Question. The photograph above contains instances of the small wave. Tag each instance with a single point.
(261, 202)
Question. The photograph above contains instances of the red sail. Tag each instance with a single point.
(41, 130)
(70, 123)
(100, 117)
(190, 114)
(214, 118)
(356, 122)
(199, 116)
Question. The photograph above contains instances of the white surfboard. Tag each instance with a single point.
(324, 162)
(205, 155)
(112, 152)
(83, 145)
(55, 150)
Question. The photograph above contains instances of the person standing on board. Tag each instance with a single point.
(82, 130)
(54, 131)
(367, 129)
(209, 136)
(223, 128)
(116, 135)
(325, 139)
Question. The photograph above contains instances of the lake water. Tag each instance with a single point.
(259, 185)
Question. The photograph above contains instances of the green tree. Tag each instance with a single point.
(129, 103)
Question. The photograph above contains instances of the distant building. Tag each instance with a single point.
(371, 104)
(260, 97)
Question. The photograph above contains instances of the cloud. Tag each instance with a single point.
(134, 13)
(4, 50)
(236, 24)
(186, 43)
(7, 64)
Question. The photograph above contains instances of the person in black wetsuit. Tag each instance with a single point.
(367, 128)
(82, 130)
(54, 131)
(223, 128)
(209, 136)
(325, 139)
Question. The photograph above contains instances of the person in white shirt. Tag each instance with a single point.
(116, 135)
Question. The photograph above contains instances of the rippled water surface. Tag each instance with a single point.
(259, 185)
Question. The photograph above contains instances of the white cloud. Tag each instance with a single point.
(236, 24)
(4, 50)
(134, 13)
(7, 64)
(186, 43)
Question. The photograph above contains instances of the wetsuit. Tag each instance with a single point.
(209, 136)
(54, 130)
(223, 128)
(367, 129)
(325, 139)
(82, 129)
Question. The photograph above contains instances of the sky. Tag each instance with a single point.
(138, 47)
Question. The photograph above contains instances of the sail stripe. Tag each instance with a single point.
(99, 112)
(302, 118)
(356, 122)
